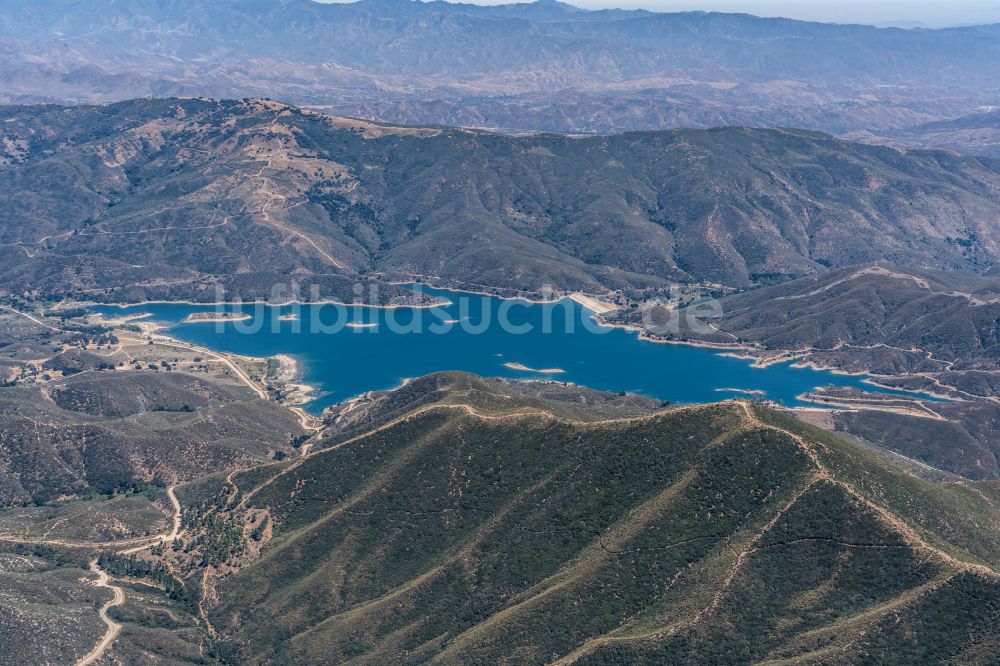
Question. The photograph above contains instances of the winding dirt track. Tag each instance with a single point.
(471, 411)
(30, 317)
(309, 423)
(118, 598)
(749, 421)
(104, 580)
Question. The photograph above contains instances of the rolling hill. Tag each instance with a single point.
(880, 317)
(465, 520)
(484, 526)
(917, 330)
(161, 502)
(137, 414)
(58, 443)
(974, 134)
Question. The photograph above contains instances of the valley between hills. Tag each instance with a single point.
(161, 498)
(200, 200)
(787, 233)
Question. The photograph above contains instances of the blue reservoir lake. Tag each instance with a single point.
(344, 351)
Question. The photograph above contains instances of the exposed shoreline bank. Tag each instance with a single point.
(216, 318)
(290, 374)
(523, 368)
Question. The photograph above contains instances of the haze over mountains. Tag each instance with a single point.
(975, 134)
(538, 66)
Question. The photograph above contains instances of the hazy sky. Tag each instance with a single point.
(931, 14)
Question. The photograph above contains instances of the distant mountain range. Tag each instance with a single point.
(533, 66)
(152, 198)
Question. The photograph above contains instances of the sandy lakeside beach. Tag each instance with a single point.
(593, 304)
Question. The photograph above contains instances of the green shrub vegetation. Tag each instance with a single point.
(481, 530)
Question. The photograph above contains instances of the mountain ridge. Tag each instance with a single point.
(610, 565)
(371, 59)
(206, 184)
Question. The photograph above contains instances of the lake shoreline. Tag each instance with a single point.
(588, 301)
(349, 366)
(268, 304)
(290, 372)
(745, 351)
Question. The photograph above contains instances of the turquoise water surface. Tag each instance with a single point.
(342, 362)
